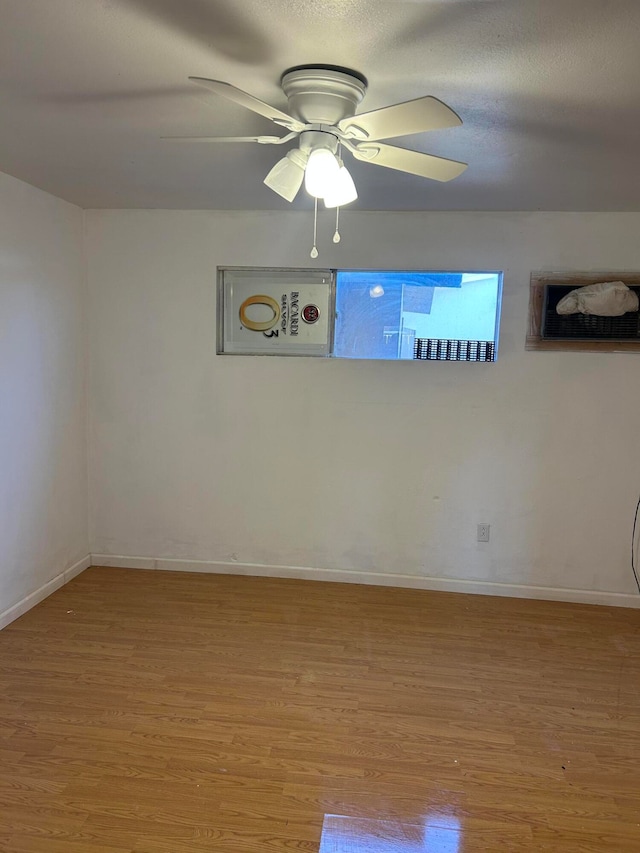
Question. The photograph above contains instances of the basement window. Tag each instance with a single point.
(360, 314)
(434, 316)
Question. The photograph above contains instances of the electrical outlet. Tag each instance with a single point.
(483, 532)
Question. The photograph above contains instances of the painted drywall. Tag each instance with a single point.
(43, 452)
(371, 467)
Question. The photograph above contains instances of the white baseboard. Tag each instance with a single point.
(580, 596)
(29, 601)
(615, 599)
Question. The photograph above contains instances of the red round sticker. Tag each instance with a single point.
(310, 313)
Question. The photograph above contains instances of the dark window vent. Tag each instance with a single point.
(585, 326)
(439, 349)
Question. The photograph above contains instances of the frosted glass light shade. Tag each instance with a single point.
(287, 175)
(321, 172)
(342, 191)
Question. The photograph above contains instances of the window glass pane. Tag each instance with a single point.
(406, 315)
(275, 312)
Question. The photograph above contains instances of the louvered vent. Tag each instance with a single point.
(585, 326)
(439, 349)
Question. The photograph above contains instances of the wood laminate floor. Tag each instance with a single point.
(177, 713)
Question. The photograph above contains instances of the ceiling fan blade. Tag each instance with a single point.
(262, 140)
(401, 120)
(414, 162)
(248, 101)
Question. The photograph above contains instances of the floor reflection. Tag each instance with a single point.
(342, 834)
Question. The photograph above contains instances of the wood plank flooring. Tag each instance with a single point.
(155, 712)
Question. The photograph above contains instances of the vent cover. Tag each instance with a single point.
(585, 326)
(441, 349)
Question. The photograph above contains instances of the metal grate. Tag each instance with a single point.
(439, 349)
(585, 326)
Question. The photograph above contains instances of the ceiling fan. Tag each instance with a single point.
(322, 103)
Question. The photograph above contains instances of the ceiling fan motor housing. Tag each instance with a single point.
(310, 140)
(321, 95)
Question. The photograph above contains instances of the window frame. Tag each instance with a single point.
(537, 286)
(332, 274)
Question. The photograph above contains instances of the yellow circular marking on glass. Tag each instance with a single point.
(259, 299)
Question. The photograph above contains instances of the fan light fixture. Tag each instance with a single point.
(322, 172)
(325, 176)
(342, 191)
(328, 178)
(287, 175)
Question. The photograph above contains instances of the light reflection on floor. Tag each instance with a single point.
(342, 834)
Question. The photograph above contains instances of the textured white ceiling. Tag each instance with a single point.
(549, 92)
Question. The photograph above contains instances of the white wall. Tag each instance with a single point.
(43, 471)
(376, 467)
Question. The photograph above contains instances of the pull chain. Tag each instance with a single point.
(314, 250)
(336, 236)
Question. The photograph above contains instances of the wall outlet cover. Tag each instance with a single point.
(483, 532)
